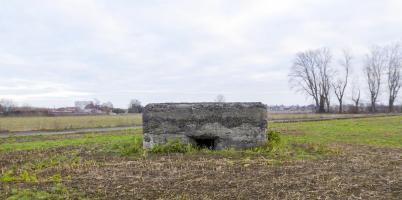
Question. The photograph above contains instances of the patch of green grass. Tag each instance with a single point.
(58, 192)
(24, 176)
(32, 138)
(130, 144)
(84, 139)
(174, 146)
(52, 162)
(32, 171)
(130, 147)
(57, 178)
(274, 148)
(379, 131)
(229, 152)
(30, 195)
(280, 149)
(8, 176)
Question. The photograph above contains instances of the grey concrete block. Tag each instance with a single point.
(212, 125)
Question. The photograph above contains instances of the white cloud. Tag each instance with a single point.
(176, 50)
(24, 91)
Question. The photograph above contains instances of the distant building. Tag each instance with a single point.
(291, 108)
(29, 111)
(64, 110)
(81, 105)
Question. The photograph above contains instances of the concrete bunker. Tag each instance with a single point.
(206, 125)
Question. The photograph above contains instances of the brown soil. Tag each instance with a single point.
(359, 173)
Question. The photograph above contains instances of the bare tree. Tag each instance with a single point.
(134, 102)
(311, 74)
(327, 100)
(135, 106)
(373, 68)
(107, 104)
(107, 107)
(304, 76)
(96, 102)
(323, 60)
(26, 105)
(7, 105)
(220, 98)
(341, 83)
(356, 97)
(394, 68)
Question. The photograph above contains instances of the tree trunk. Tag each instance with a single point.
(357, 107)
(328, 106)
(321, 109)
(391, 105)
(317, 105)
(373, 108)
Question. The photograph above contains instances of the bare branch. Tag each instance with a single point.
(310, 74)
(341, 83)
(356, 96)
(220, 98)
(374, 65)
(394, 68)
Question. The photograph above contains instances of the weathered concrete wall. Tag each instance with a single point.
(226, 125)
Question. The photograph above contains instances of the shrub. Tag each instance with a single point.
(274, 140)
(130, 147)
(174, 146)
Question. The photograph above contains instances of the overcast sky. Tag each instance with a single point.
(55, 52)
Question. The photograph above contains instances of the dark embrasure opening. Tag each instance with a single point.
(205, 143)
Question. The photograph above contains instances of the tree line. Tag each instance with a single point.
(9, 107)
(315, 74)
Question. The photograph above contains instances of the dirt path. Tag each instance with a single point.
(74, 131)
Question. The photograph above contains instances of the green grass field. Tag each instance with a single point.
(381, 131)
(378, 131)
(14, 124)
(309, 160)
(301, 116)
